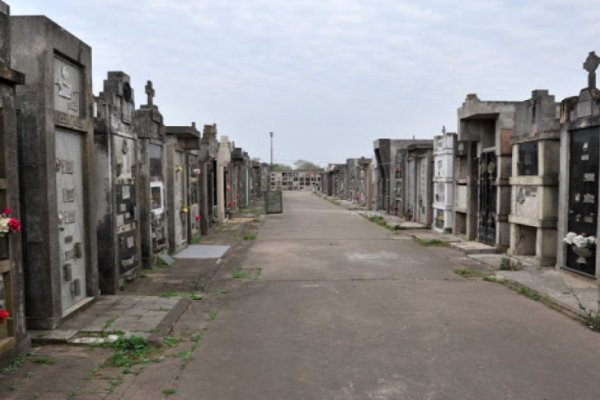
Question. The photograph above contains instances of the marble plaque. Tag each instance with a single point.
(461, 196)
(526, 202)
(67, 87)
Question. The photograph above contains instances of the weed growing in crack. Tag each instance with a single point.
(468, 273)
(246, 273)
(432, 242)
(110, 322)
(113, 384)
(168, 392)
(43, 360)
(15, 364)
(129, 351)
(212, 314)
(171, 341)
(186, 295)
(592, 317)
(529, 293)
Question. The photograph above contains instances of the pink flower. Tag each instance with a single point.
(7, 211)
(197, 218)
(4, 315)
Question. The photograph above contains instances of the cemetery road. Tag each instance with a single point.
(345, 309)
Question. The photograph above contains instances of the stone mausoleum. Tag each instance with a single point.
(483, 192)
(57, 174)
(443, 181)
(152, 179)
(117, 185)
(13, 333)
(578, 175)
(534, 180)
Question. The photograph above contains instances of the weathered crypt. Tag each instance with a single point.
(13, 333)
(208, 177)
(117, 185)
(56, 155)
(417, 197)
(534, 180)
(579, 172)
(443, 181)
(483, 201)
(151, 174)
(183, 170)
(223, 179)
(389, 157)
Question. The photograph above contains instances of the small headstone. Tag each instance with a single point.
(167, 259)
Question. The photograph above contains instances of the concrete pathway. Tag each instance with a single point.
(345, 310)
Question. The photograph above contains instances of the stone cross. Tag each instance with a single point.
(590, 65)
(150, 93)
(443, 129)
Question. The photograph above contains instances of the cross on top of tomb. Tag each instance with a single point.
(443, 129)
(150, 92)
(590, 65)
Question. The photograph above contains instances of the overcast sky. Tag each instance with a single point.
(328, 77)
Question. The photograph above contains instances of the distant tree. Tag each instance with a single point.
(303, 165)
(281, 168)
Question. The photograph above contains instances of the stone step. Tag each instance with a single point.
(474, 248)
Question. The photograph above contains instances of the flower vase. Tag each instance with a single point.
(583, 253)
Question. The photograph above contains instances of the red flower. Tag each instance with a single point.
(197, 218)
(7, 211)
(3, 315)
(14, 225)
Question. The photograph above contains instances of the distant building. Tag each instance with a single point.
(296, 180)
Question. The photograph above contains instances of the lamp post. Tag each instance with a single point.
(271, 134)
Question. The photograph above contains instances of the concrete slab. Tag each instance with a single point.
(202, 252)
(474, 248)
(563, 288)
(147, 316)
(493, 260)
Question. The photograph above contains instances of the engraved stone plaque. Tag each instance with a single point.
(68, 195)
(67, 87)
(589, 198)
(589, 177)
(130, 242)
(126, 192)
(67, 166)
(69, 217)
(69, 254)
(68, 239)
(123, 207)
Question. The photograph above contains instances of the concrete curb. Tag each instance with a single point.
(545, 299)
(164, 327)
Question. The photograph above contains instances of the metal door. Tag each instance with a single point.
(180, 212)
(71, 213)
(423, 191)
(487, 198)
(583, 195)
(410, 190)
